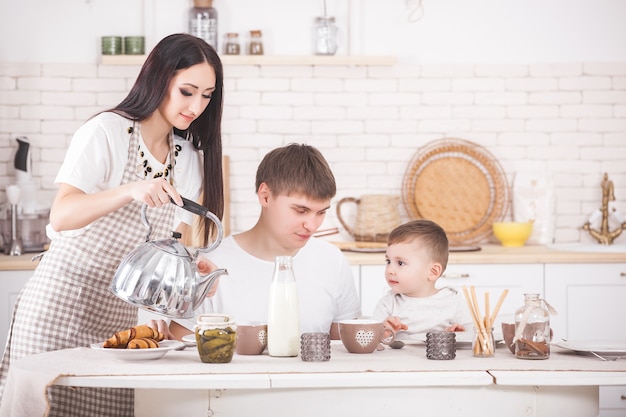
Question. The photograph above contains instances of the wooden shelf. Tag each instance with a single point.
(321, 60)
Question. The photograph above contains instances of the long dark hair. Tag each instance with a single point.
(171, 54)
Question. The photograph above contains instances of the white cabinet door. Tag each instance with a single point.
(590, 300)
(372, 287)
(11, 283)
(519, 279)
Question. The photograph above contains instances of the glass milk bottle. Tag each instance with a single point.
(532, 329)
(283, 321)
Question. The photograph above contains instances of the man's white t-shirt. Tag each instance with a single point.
(326, 288)
(97, 156)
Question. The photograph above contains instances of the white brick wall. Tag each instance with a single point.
(568, 119)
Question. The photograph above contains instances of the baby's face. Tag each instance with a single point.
(409, 269)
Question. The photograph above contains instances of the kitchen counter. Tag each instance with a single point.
(497, 254)
(488, 254)
(17, 263)
(369, 384)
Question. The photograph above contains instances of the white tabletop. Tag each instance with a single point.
(407, 367)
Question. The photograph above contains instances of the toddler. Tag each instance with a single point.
(417, 255)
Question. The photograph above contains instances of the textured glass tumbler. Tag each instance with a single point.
(315, 347)
(441, 345)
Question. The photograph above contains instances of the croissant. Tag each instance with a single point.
(121, 339)
(143, 343)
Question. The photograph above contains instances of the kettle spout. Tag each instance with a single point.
(204, 285)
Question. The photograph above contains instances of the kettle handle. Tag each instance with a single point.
(195, 208)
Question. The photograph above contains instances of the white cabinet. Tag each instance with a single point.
(519, 279)
(591, 303)
(372, 286)
(590, 300)
(612, 401)
(11, 283)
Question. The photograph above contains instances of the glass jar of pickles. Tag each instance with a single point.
(215, 337)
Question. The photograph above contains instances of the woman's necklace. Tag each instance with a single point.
(148, 171)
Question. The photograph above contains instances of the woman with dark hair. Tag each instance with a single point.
(162, 141)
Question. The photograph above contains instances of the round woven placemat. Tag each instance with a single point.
(459, 185)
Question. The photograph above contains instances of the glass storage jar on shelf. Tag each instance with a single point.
(231, 44)
(255, 46)
(203, 21)
(324, 36)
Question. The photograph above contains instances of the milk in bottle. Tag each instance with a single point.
(283, 322)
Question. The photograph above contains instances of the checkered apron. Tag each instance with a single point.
(67, 303)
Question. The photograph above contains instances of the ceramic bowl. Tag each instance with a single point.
(512, 234)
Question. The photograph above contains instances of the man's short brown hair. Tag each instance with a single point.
(297, 168)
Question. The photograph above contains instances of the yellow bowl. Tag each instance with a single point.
(512, 234)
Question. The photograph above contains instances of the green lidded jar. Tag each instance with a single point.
(134, 45)
(112, 45)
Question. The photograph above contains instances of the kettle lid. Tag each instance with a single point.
(171, 245)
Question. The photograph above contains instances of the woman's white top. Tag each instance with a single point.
(97, 155)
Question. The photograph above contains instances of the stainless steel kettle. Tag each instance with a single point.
(161, 276)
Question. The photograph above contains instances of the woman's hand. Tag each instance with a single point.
(155, 192)
(73, 208)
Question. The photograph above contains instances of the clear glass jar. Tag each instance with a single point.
(532, 329)
(231, 44)
(216, 336)
(483, 343)
(255, 46)
(283, 320)
(203, 21)
(324, 36)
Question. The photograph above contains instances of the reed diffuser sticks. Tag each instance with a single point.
(483, 324)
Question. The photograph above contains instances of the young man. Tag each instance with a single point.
(294, 186)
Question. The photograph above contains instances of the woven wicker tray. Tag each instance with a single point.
(459, 185)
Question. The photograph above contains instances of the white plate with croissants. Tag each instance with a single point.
(139, 343)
